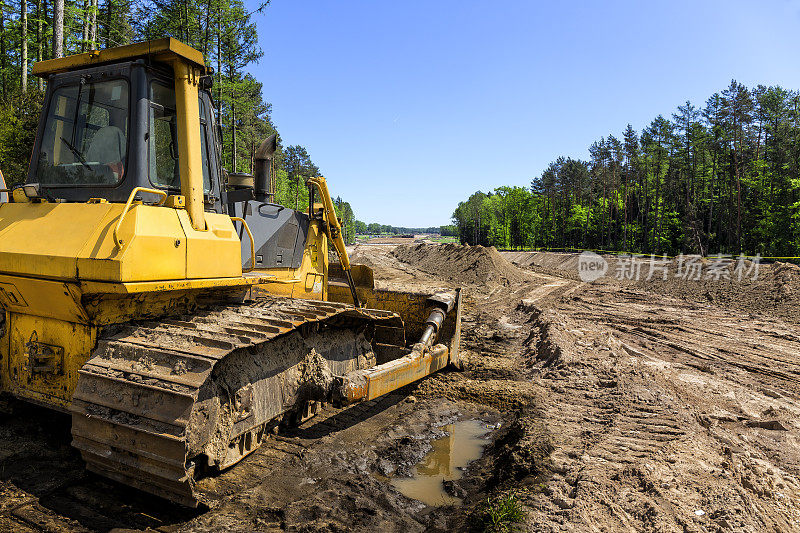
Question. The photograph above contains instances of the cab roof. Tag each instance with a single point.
(166, 49)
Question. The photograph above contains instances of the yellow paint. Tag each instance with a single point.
(18, 196)
(131, 196)
(166, 49)
(76, 241)
(45, 240)
(75, 341)
(334, 227)
(214, 253)
(175, 201)
(53, 299)
(190, 161)
(94, 287)
(153, 246)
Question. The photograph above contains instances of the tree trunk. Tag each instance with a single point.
(93, 26)
(711, 195)
(207, 38)
(39, 36)
(3, 49)
(85, 29)
(625, 213)
(736, 148)
(58, 28)
(24, 35)
(233, 133)
(109, 10)
(252, 156)
(47, 48)
(296, 192)
(219, 67)
(233, 120)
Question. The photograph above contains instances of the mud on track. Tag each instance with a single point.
(621, 407)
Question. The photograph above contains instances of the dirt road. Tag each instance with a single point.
(610, 406)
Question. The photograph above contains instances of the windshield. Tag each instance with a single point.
(86, 135)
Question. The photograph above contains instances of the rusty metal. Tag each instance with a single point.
(43, 358)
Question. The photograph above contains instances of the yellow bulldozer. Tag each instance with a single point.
(178, 313)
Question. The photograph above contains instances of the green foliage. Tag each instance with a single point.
(449, 231)
(346, 218)
(502, 514)
(374, 228)
(18, 121)
(721, 179)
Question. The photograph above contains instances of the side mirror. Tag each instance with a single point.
(263, 167)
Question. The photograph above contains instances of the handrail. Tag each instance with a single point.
(163, 194)
(252, 244)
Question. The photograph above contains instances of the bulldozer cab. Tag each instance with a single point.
(142, 117)
(111, 124)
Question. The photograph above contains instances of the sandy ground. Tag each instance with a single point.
(618, 406)
(390, 240)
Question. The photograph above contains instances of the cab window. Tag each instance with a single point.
(85, 139)
(164, 169)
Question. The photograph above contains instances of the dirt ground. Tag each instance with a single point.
(613, 406)
(390, 240)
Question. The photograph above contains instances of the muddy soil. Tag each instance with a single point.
(612, 406)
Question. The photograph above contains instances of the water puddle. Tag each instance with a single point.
(450, 455)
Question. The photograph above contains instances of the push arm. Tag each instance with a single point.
(334, 231)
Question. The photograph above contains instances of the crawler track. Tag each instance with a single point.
(160, 403)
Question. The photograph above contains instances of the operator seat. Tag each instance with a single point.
(108, 147)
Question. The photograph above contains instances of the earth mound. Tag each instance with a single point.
(468, 265)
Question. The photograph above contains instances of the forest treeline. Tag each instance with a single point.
(721, 178)
(223, 30)
(374, 228)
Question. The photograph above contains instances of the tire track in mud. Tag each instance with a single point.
(667, 415)
(717, 340)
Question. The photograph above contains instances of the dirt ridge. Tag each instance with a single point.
(471, 265)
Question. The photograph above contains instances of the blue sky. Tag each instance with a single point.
(409, 107)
